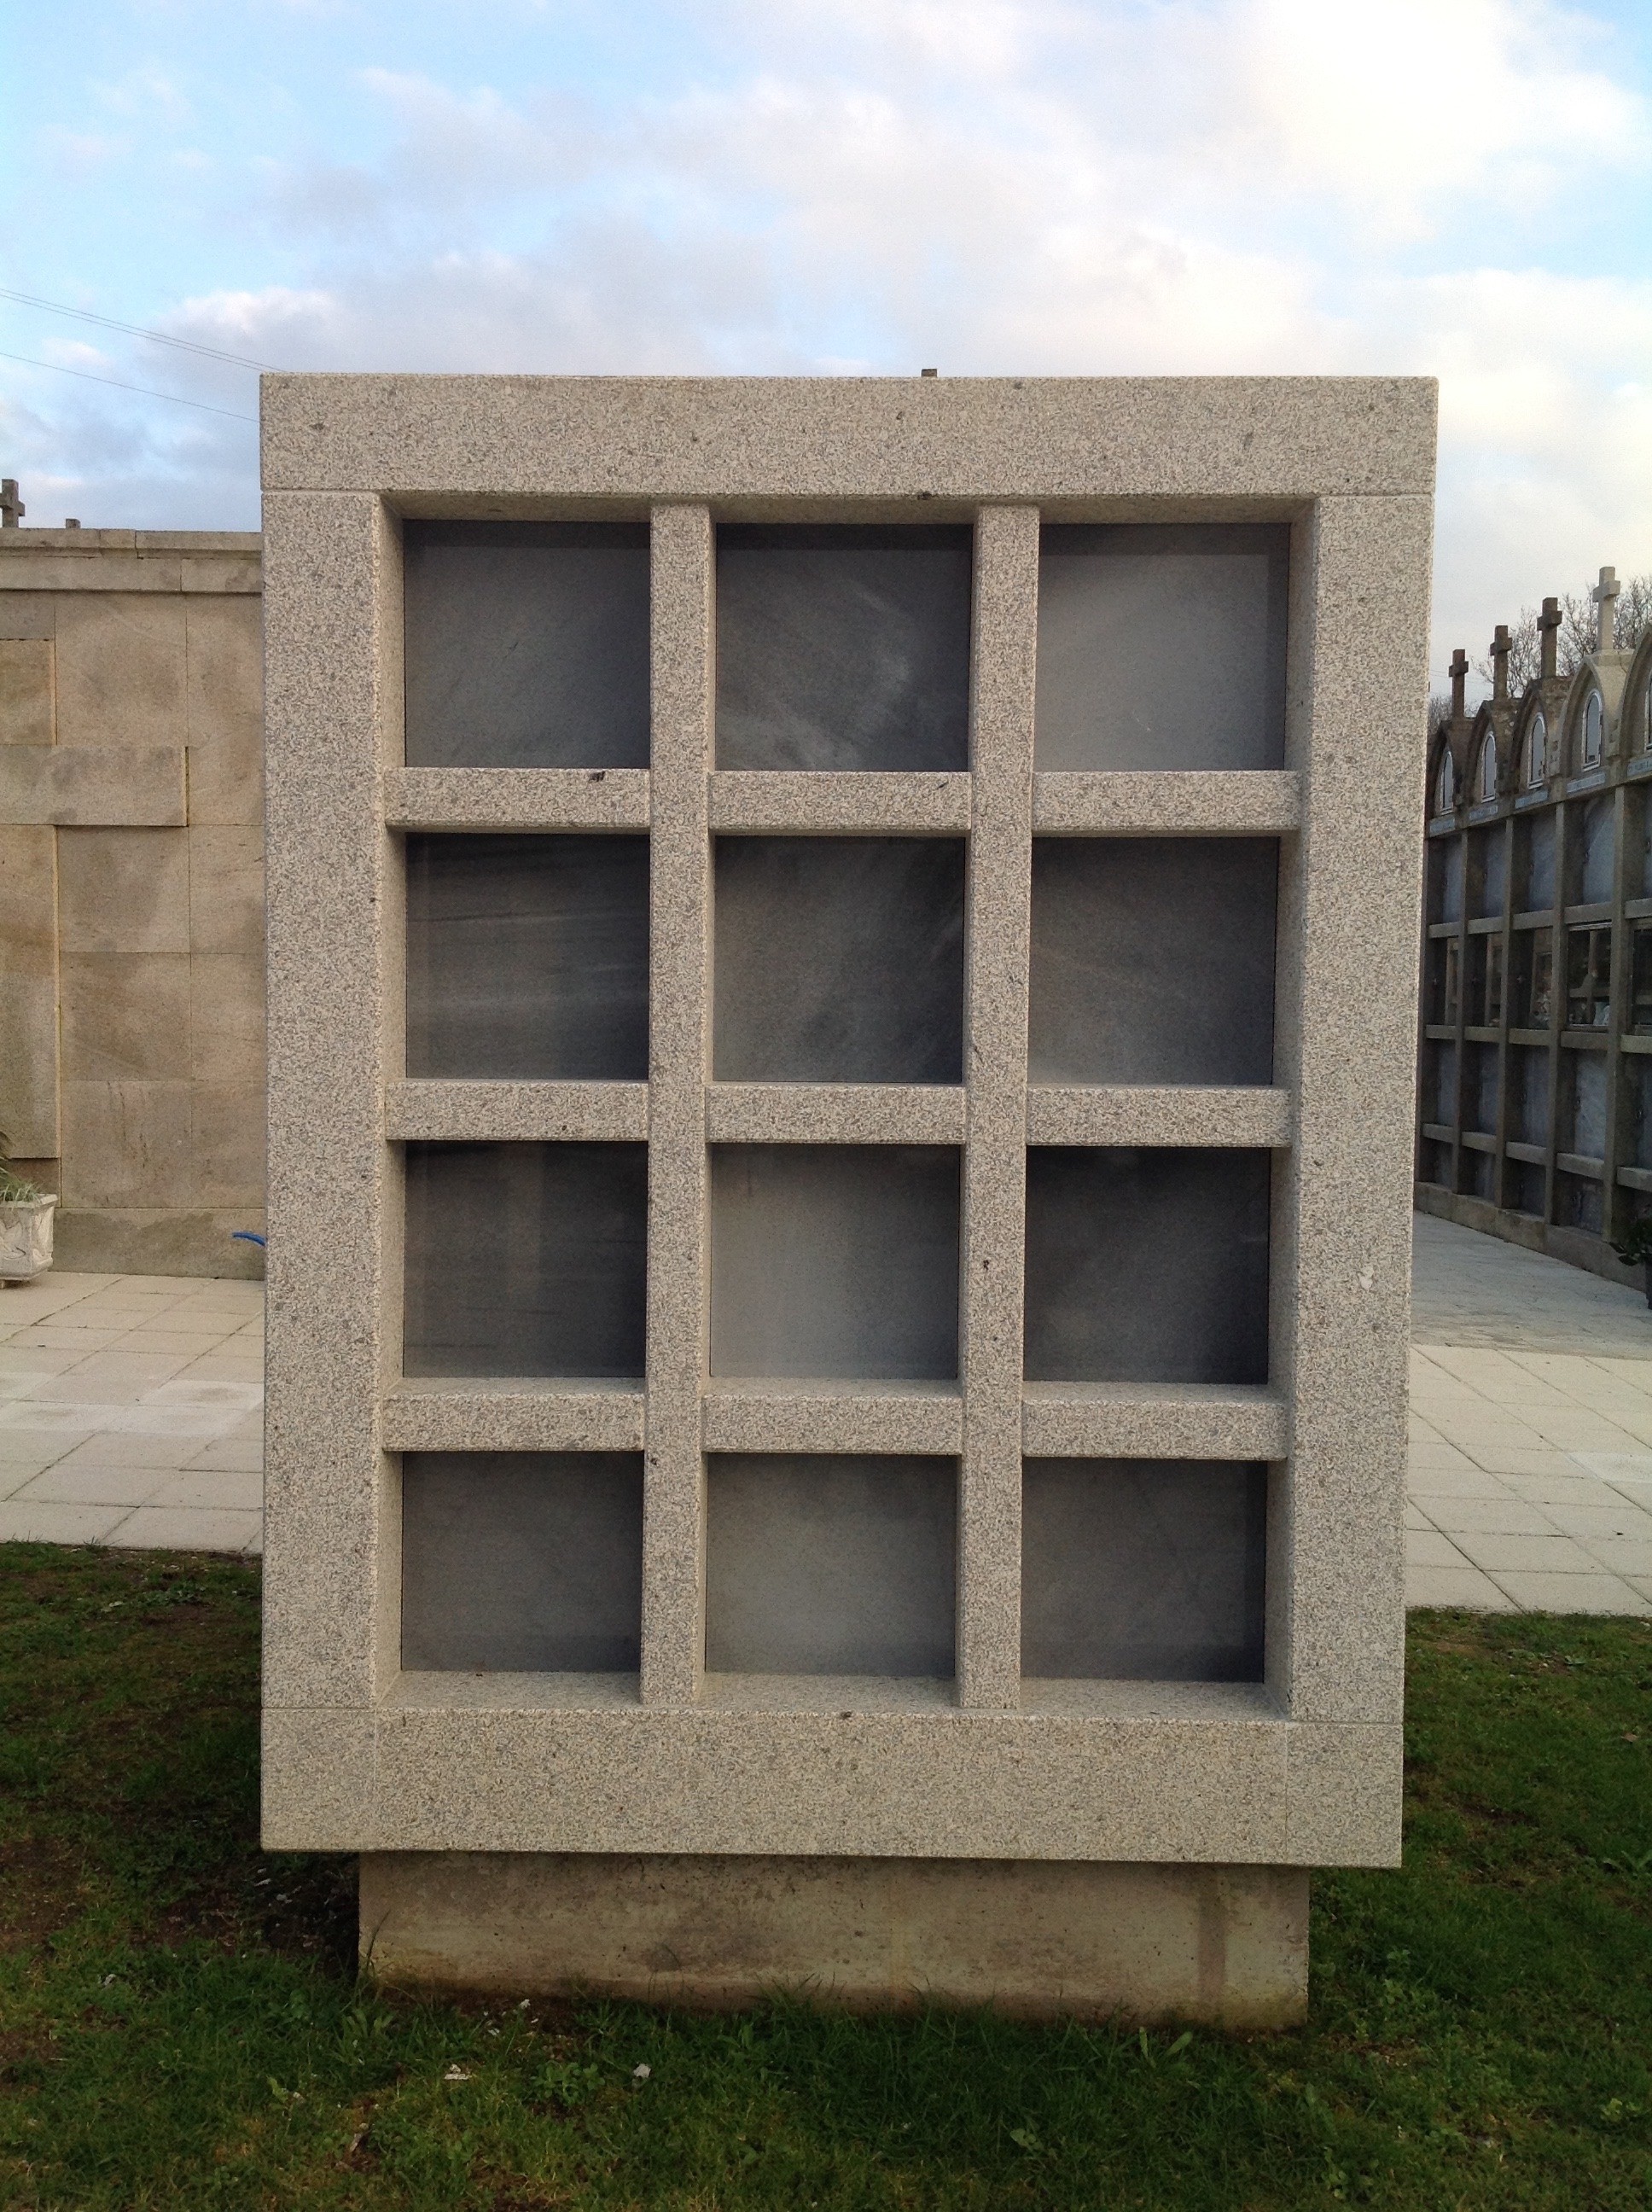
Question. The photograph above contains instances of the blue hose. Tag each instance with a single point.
(246, 1237)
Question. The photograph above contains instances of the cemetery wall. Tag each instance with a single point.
(131, 891)
(1534, 1093)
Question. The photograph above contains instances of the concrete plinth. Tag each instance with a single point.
(1221, 1944)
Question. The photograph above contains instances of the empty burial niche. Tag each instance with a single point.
(839, 960)
(1591, 851)
(1146, 1264)
(1161, 647)
(1152, 959)
(834, 1260)
(829, 1564)
(522, 1562)
(526, 644)
(1143, 1570)
(528, 956)
(842, 647)
(525, 1260)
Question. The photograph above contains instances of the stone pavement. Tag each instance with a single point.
(131, 1412)
(1531, 1451)
(129, 1415)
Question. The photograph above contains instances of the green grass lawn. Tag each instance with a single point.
(179, 2024)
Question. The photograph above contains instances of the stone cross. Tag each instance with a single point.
(1605, 596)
(1500, 661)
(1548, 631)
(12, 509)
(1459, 678)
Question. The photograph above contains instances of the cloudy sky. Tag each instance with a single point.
(1457, 187)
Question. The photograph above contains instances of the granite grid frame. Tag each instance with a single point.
(1302, 1769)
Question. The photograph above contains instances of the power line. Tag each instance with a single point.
(86, 375)
(132, 330)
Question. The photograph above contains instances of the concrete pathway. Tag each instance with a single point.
(129, 1414)
(1531, 1450)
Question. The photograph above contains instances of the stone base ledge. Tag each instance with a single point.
(181, 1241)
(1225, 1946)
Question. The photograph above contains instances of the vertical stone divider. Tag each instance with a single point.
(333, 703)
(1341, 1258)
(679, 1029)
(999, 929)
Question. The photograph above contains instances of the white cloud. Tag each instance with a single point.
(1038, 185)
(1399, 107)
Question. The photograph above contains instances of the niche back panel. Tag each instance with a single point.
(843, 647)
(1161, 647)
(526, 644)
(1143, 1570)
(839, 960)
(1152, 960)
(525, 1260)
(522, 1562)
(527, 958)
(1146, 1264)
(834, 1260)
(831, 1564)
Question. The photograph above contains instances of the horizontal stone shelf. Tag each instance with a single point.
(1154, 1420)
(835, 1113)
(502, 1113)
(755, 800)
(1154, 1114)
(1249, 802)
(827, 1416)
(510, 1413)
(1179, 803)
(516, 797)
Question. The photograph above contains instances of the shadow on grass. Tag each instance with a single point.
(180, 2025)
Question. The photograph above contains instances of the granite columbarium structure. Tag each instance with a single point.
(842, 971)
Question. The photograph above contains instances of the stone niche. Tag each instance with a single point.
(838, 1292)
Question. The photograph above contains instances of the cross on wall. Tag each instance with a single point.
(1605, 596)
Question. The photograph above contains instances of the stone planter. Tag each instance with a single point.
(25, 1239)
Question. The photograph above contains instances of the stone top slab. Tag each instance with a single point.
(196, 561)
(507, 445)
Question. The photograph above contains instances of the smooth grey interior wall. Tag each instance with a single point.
(1586, 1100)
(526, 644)
(1528, 1094)
(1489, 869)
(1535, 886)
(1591, 836)
(528, 956)
(1161, 646)
(834, 1260)
(839, 960)
(831, 1565)
(1480, 1088)
(525, 1260)
(1442, 1085)
(1146, 1264)
(1152, 959)
(843, 647)
(1143, 1570)
(1445, 880)
(522, 1562)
